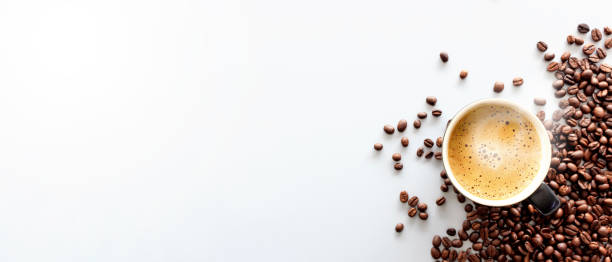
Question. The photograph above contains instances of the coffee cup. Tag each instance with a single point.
(497, 154)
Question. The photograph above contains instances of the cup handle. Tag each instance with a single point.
(545, 200)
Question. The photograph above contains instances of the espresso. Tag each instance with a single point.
(494, 152)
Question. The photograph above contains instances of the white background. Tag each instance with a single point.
(243, 130)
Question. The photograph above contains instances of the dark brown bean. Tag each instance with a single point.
(549, 56)
(396, 157)
(596, 35)
(451, 231)
(423, 216)
(444, 57)
(422, 207)
(498, 87)
(588, 49)
(404, 141)
(570, 39)
(436, 241)
(404, 196)
(378, 146)
(412, 212)
(420, 151)
(422, 115)
(542, 46)
(389, 129)
(401, 125)
(583, 28)
(439, 141)
(608, 43)
(463, 74)
(517, 81)
(553, 66)
(435, 253)
(578, 40)
(398, 166)
(416, 123)
(399, 227)
(413, 201)
(440, 201)
(436, 112)
(428, 142)
(431, 100)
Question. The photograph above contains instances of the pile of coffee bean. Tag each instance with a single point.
(581, 134)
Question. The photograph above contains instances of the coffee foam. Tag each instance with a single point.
(494, 152)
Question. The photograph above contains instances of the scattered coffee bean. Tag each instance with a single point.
(423, 216)
(588, 49)
(396, 157)
(541, 115)
(422, 115)
(399, 227)
(583, 28)
(398, 166)
(607, 30)
(553, 66)
(436, 241)
(565, 56)
(435, 253)
(422, 207)
(468, 208)
(463, 74)
(578, 40)
(570, 39)
(439, 141)
(436, 112)
(540, 101)
(542, 46)
(420, 151)
(517, 81)
(416, 123)
(444, 57)
(431, 100)
(549, 56)
(429, 155)
(404, 196)
(451, 232)
(401, 125)
(460, 198)
(389, 129)
(412, 212)
(608, 43)
(438, 155)
(596, 35)
(498, 87)
(378, 146)
(440, 201)
(413, 201)
(404, 141)
(428, 142)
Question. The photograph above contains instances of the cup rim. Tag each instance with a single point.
(544, 161)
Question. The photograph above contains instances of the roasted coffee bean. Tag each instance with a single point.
(468, 208)
(444, 188)
(541, 115)
(398, 166)
(435, 253)
(451, 232)
(565, 56)
(401, 125)
(440, 201)
(457, 243)
(570, 39)
(404, 196)
(542, 46)
(422, 207)
(413, 201)
(558, 84)
(439, 141)
(422, 115)
(601, 53)
(436, 241)
(396, 157)
(583, 28)
(431, 100)
(444, 57)
(423, 216)
(399, 227)
(389, 129)
(404, 140)
(438, 155)
(596, 35)
(578, 40)
(517, 81)
(498, 87)
(588, 49)
(608, 43)
(416, 123)
(420, 151)
(436, 112)
(463, 74)
(429, 155)
(412, 212)
(428, 142)
(378, 146)
(549, 56)
(553, 66)
(539, 101)
(460, 198)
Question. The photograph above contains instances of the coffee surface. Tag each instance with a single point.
(494, 152)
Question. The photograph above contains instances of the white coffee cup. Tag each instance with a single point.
(538, 193)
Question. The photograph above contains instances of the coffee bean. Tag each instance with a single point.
(435, 253)
(451, 232)
(404, 196)
(460, 198)
(595, 35)
(565, 56)
(444, 188)
(608, 43)
(607, 30)
(517, 81)
(428, 142)
(463, 74)
(578, 40)
(440, 201)
(398, 166)
(422, 115)
(423, 216)
(436, 112)
(416, 123)
(570, 39)
(436, 241)
(549, 56)
(457, 243)
(439, 141)
(396, 157)
(404, 140)
(588, 49)
(401, 125)
(553, 66)
(583, 28)
(389, 129)
(598, 112)
(431, 100)
(412, 212)
(438, 155)
(399, 227)
(498, 87)
(542, 46)
(420, 151)
(468, 208)
(444, 57)
(413, 201)
(378, 146)
(422, 207)
(540, 101)
(429, 155)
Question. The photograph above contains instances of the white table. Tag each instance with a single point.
(243, 130)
